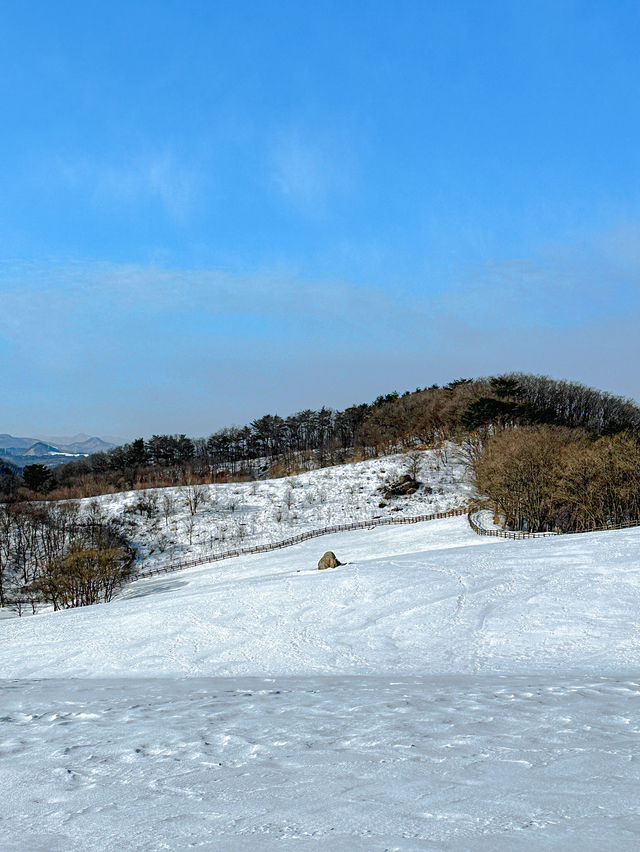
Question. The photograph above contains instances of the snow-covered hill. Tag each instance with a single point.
(438, 691)
(166, 526)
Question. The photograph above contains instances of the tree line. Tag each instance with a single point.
(273, 445)
(555, 455)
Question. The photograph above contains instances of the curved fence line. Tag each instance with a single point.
(505, 533)
(520, 535)
(296, 539)
(355, 525)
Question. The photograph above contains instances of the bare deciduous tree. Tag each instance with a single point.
(168, 506)
(194, 496)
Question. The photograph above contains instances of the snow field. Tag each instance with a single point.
(344, 763)
(426, 598)
(440, 690)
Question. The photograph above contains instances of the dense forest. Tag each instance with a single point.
(541, 478)
(548, 454)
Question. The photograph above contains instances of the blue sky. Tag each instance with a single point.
(210, 210)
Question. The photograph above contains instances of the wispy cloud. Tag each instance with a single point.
(93, 296)
(562, 286)
(157, 177)
(565, 287)
(310, 169)
(153, 348)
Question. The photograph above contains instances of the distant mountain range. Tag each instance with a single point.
(24, 451)
(80, 438)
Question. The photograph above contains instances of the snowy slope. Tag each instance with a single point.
(340, 763)
(439, 691)
(240, 514)
(429, 598)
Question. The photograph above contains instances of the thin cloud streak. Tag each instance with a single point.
(563, 286)
(156, 177)
(311, 170)
(126, 348)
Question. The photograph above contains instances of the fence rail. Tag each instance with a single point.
(504, 533)
(512, 534)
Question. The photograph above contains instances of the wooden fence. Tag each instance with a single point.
(520, 535)
(505, 533)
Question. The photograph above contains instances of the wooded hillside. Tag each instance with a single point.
(569, 433)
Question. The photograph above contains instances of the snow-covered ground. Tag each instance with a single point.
(163, 528)
(427, 598)
(440, 690)
(342, 763)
